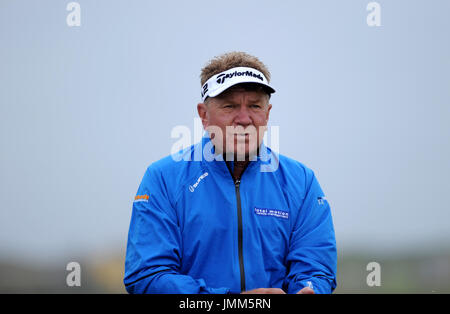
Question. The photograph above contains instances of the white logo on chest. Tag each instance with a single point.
(192, 187)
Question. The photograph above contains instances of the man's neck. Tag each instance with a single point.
(238, 166)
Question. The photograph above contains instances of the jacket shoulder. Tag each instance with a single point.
(173, 173)
(296, 177)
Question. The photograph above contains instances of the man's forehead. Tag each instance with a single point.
(237, 92)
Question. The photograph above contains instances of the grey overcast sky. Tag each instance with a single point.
(84, 111)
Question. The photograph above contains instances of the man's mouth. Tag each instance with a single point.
(242, 136)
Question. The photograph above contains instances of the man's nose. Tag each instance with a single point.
(243, 116)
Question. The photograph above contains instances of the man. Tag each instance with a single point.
(240, 219)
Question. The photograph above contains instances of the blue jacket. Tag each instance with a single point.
(195, 230)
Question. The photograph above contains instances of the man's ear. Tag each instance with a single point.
(203, 113)
(268, 112)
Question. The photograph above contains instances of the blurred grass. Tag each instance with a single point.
(406, 273)
(103, 273)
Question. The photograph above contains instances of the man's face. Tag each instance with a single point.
(240, 116)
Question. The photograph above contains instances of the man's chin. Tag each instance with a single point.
(237, 155)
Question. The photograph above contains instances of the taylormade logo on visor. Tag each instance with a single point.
(222, 81)
(222, 77)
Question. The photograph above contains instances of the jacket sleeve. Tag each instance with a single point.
(312, 256)
(153, 256)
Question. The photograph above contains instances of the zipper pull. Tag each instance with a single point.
(237, 182)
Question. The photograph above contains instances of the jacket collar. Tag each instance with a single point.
(216, 161)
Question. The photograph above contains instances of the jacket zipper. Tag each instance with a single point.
(240, 247)
(237, 183)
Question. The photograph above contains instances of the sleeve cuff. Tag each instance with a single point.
(320, 285)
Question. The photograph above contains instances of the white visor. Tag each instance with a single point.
(222, 81)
